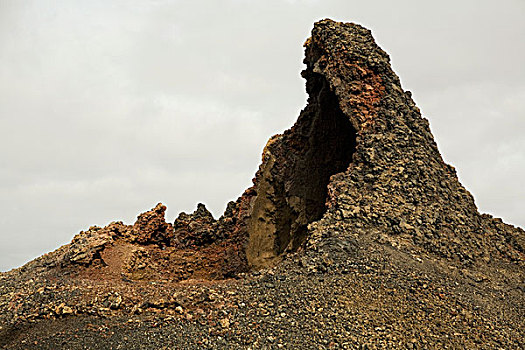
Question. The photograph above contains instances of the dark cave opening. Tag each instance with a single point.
(329, 143)
(293, 190)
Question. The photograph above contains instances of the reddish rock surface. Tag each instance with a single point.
(151, 227)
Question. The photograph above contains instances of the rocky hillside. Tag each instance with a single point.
(355, 234)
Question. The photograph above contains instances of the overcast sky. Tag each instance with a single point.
(108, 107)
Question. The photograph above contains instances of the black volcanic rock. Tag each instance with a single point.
(355, 234)
(196, 229)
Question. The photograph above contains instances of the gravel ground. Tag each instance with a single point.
(379, 297)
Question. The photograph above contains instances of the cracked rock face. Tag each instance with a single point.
(291, 183)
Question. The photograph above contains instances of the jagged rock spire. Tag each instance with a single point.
(387, 175)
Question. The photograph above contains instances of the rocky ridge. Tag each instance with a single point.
(354, 234)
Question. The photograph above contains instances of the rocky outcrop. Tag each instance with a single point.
(359, 161)
(195, 246)
(85, 249)
(362, 148)
(151, 227)
(196, 229)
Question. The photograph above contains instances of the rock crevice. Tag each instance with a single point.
(291, 184)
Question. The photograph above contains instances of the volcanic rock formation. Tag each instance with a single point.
(362, 159)
(358, 170)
